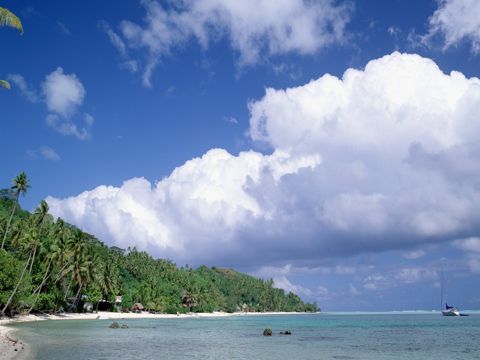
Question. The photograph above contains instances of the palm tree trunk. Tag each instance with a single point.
(78, 293)
(33, 260)
(16, 288)
(60, 276)
(10, 219)
(39, 288)
(66, 293)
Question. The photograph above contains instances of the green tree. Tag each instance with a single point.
(7, 18)
(20, 186)
(53, 250)
(11, 267)
(83, 265)
(39, 217)
(17, 286)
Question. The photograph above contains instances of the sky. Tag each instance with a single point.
(329, 145)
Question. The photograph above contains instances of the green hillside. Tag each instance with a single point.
(48, 265)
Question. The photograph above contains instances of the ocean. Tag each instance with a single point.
(316, 336)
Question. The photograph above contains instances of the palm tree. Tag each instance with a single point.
(55, 255)
(8, 18)
(16, 287)
(26, 239)
(83, 264)
(41, 213)
(20, 186)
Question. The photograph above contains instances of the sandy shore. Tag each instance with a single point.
(12, 348)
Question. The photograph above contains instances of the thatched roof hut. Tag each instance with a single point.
(138, 307)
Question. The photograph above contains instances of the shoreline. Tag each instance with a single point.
(13, 348)
(10, 347)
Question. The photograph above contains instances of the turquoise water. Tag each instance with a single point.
(316, 336)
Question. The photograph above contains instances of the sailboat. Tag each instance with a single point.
(449, 310)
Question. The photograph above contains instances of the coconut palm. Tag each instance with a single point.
(26, 241)
(7, 18)
(83, 265)
(108, 278)
(39, 217)
(20, 186)
(55, 254)
(16, 288)
(5, 84)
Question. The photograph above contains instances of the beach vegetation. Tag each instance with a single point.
(48, 265)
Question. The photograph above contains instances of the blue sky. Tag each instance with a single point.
(208, 132)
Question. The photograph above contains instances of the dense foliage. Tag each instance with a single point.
(49, 265)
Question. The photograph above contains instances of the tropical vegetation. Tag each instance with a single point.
(48, 265)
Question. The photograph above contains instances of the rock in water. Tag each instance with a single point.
(114, 325)
(124, 326)
(267, 332)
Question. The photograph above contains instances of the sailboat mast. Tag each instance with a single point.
(441, 288)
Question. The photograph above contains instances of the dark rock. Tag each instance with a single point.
(285, 333)
(124, 326)
(267, 332)
(114, 325)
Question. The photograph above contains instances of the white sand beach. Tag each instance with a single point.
(12, 348)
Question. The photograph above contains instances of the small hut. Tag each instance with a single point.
(88, 307)
(137, 307)
(245, 308)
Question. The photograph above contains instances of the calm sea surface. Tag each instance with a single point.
(319, 336)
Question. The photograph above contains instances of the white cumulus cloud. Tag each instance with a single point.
(63, 92)
(385, 157)
(252, 27)
(199, 208)
(64, 95)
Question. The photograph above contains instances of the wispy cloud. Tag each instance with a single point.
(63, 28)
(230, 119)
(455, 21)
(44, 152)
(255, 30)
(20, 83)
(412, 255)
(120, 46)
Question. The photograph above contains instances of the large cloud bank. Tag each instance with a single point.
(385, 157)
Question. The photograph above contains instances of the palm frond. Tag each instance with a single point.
(7, 18)
(5, 84)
